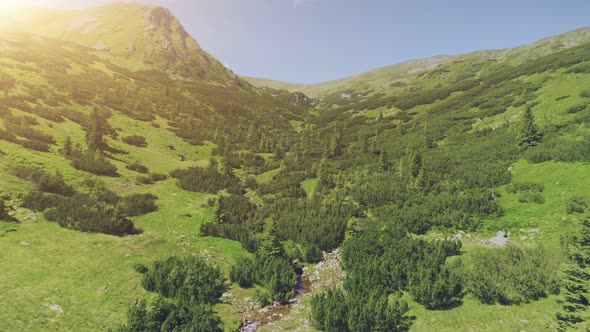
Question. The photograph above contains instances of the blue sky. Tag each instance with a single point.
(310, 41)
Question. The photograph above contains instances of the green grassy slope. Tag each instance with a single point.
(431, 71)
(59, 279)
(278, 85)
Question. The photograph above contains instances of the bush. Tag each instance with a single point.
(562, 97)
(158, 177)
(94, 163)
(517, 187)
(137, 167)
(87, 214)
(575, 205)
(189, 280)
(135, 140)
(35, 145)
(137, 204)
(336, 311)
(207, 180)
(275, 274)
(576, 108)
(27, 173)
(3, 213)
(140, 268)
(312, 253)
(511, 275)
(529, 197)
(151, 178)
(44, 181)
(38, 201)
(585, 93)
(54, 184)
(187, 288)
(560, 149)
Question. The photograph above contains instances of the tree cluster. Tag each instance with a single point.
(100, 210)
(208, 180)
(186, 288)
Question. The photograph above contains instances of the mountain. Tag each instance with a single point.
(138, 194)
(112, 100)
(396, 78)
(273, 84)
(134, 36)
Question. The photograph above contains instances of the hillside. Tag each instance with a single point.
(278, 85)
(136, 194)
(134, 36)
(431, 71)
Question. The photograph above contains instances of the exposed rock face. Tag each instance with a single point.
(171, 48)
(148, 37)
(161, 27)
(300, 99)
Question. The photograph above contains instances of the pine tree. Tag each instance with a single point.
(336, 145)
(268, 245)
(402, 128)
(324, 175)
(529, 135)
(429, 142)
(3, 214)
(366, 144)
(251, 136)
(401, 169)
(68, 149)
(382, 162)
(414, 162)
(95, 132)
(574, 297)
(575, 289)
(374, 148)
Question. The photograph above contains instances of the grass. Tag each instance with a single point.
(474, 316)
(266, 177)
(44, 264)
(561, 181)
(309, 186)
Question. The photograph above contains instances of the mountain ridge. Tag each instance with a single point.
(135, 36)
(406, 69)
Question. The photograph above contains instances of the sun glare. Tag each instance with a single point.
(10, 4)
(9, 11)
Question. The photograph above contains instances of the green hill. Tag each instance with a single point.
(430, 71)
(133, 165)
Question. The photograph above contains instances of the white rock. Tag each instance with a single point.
(56, 308)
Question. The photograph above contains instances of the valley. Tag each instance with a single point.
(146, 187)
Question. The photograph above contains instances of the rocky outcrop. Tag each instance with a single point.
(300, 99)
(144, 37)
